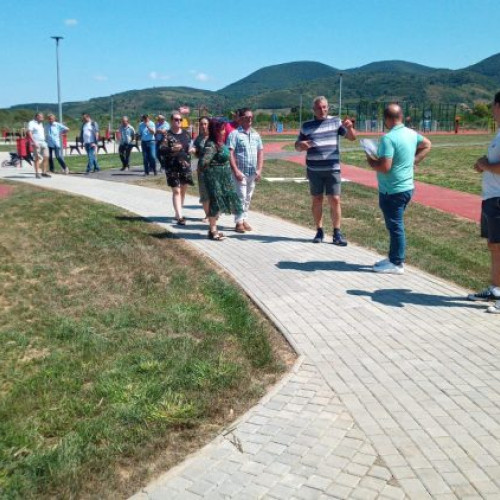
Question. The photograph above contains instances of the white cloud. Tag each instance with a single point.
(202, 77)
(154, 75)
(70, 22)
(100, 78)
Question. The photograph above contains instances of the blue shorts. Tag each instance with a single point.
(327, 182)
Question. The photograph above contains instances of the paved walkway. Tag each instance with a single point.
(397, 390)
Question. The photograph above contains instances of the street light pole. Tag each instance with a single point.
(300, 112)
(340, 96)
(57, 38)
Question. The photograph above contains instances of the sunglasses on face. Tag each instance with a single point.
(177, 119)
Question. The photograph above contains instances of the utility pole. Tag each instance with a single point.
(300, 112)
(340, 96)
(57, 38)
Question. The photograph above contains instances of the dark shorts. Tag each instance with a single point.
(328, 183)
(490, 219)
(176, 179)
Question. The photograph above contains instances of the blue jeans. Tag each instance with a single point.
(149, 156)
(393, 207)
(92, 154)
(57, 152)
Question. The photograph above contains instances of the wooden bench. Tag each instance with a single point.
(101, 144)
(76, 146)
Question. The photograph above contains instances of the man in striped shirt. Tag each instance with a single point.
(320, 138)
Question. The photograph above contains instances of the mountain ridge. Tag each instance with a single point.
(280, 85)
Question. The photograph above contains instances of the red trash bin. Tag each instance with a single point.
(64, 141)
(22, 146)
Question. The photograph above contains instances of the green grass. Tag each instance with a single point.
(78, 163)
(439, 243)
(122, 351)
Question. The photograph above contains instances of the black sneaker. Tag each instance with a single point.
(484, 295)
(319, 236)
(338, 239)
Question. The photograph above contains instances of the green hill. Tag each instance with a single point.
(489, 67)
(395, 67)
(281, 85)
(277, 77)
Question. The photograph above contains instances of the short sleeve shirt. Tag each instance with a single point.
(144, 132)
(400, 144)
(37, 131)
(53, 134)
(165, 126)
(126, 134)
(245, 145)
(324, 155)
(491, 180)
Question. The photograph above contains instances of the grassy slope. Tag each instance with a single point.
(122, 350)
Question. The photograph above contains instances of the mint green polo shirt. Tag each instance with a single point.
(400, 144)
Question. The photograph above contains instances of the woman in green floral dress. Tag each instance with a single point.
(216, 173)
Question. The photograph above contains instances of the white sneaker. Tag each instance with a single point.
(494, 309)
(380, 263)
(389, 268)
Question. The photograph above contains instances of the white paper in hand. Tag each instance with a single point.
(370, 148)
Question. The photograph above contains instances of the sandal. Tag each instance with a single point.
(216, 235)
(181, 221)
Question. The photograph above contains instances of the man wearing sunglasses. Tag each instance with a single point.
(246, 159)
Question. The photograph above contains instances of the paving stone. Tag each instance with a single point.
(364, 494)
(392, 493)
(281, 492)
(339, 491)
(380, 473)
(319, 482)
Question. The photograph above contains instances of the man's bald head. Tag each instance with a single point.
(393, 112)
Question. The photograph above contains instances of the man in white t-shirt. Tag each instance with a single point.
(89, 135)
(36, 135)
(489, 166)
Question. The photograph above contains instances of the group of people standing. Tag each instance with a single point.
(230, 162)
(45, 140)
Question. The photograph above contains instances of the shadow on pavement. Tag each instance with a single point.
(164, 236)
(327, 265)
(398, 297)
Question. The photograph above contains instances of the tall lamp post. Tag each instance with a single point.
(340, 96)
(300, 112)
(57, 38)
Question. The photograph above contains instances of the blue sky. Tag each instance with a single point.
(111, 46)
